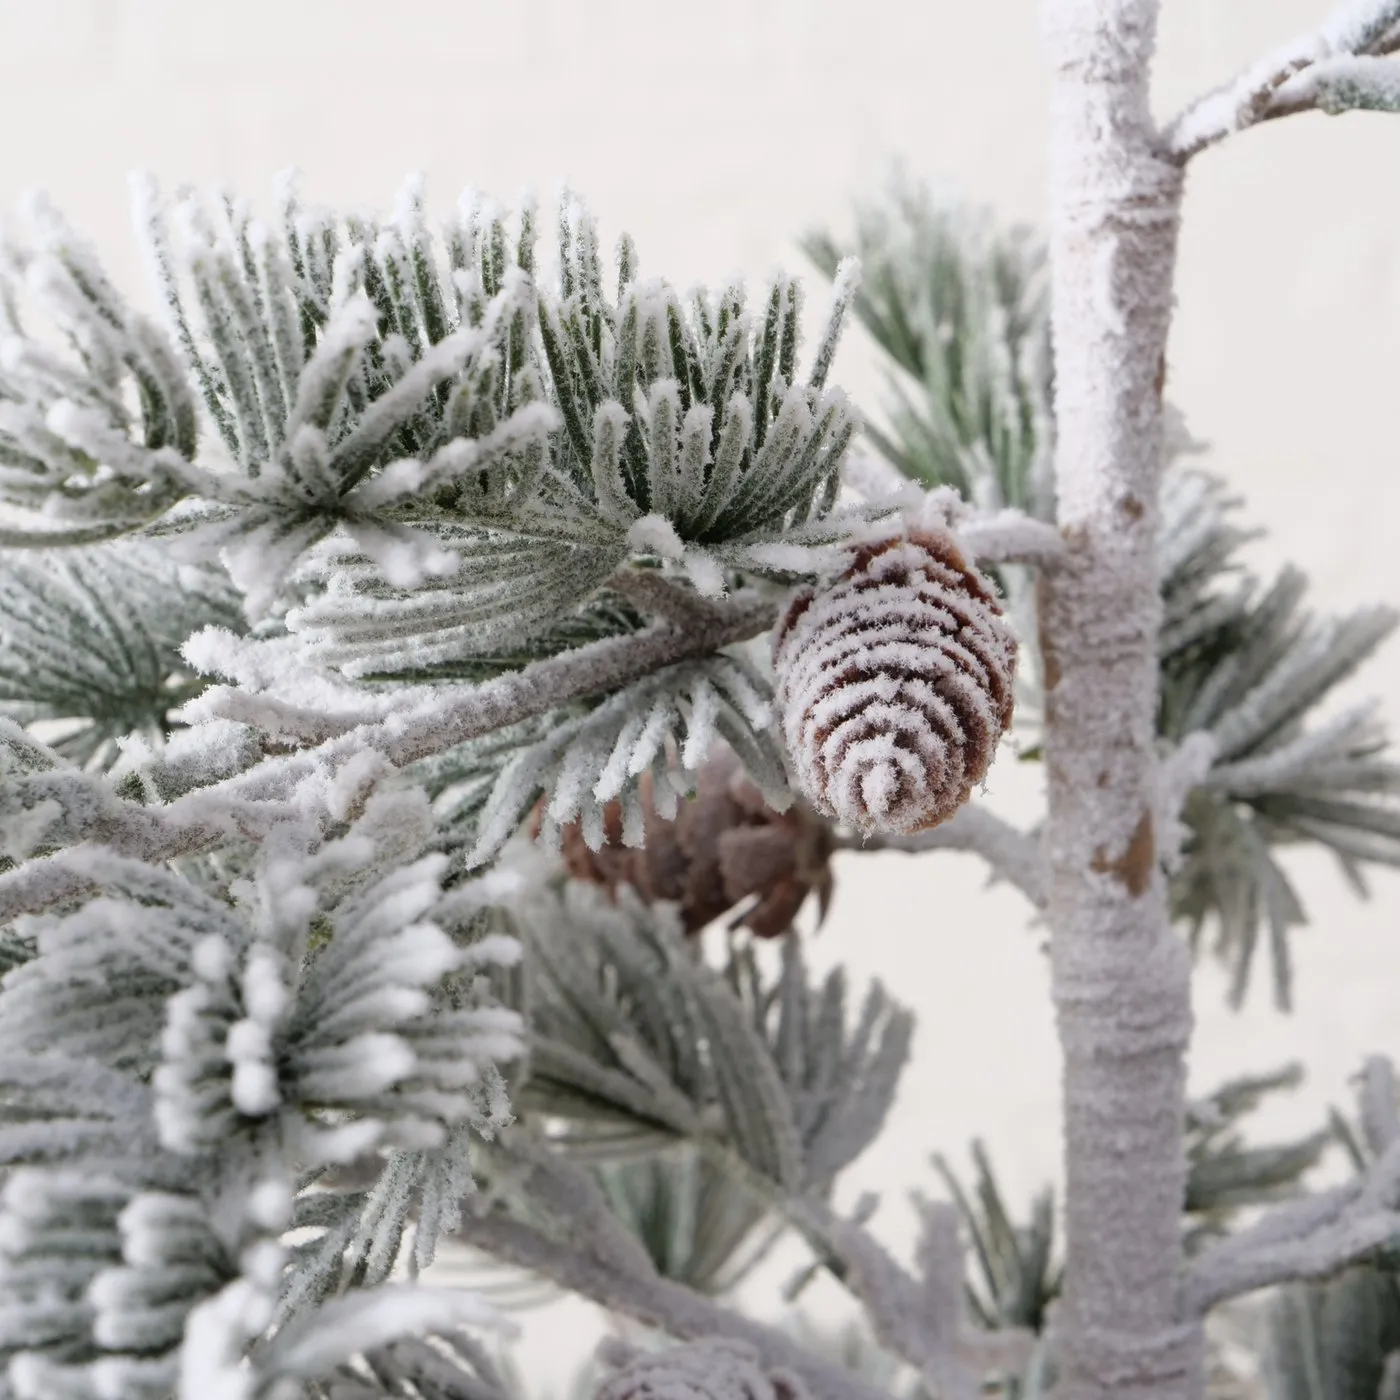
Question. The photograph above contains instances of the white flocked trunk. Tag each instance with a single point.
(1121, 975)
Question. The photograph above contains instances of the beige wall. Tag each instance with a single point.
(716, 133)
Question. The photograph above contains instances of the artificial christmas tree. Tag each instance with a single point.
(382, 567)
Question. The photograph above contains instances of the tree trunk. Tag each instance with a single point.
(1121, 975)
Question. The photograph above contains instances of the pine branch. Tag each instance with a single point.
(960, 307)
(248, 801)
(1319, 1235)
(633, 1288)
(418, 729)
(661, 597)
(1010, 536)
(919, 1317)
(1334, 68)
(1012, 854)
(182, 1063)
(1179, 774)
(789, 1091)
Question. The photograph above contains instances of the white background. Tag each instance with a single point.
(716, 134)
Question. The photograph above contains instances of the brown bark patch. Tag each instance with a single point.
(1133, 508)
(1160, 382)
(1133, 869)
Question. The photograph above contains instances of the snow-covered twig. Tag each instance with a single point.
(316, 779)
(1335, 68)
(660, 597)
(420, 729)
(1179, 774)
(1248, 1261)
(655, 1301)
(1013, 855)
(1012, 537)
(1005, 536)
(1314, 1237)
(920, 1317)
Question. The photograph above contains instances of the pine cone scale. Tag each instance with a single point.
(724, 850)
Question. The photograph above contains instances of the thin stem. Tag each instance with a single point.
(656, 1302)
(1271, 88)
(1013, 855)
(660, 597)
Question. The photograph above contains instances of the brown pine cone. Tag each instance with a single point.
(895, 684)
(725, 848)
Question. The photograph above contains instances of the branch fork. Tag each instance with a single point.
(1336, 68)
(1321, 1234)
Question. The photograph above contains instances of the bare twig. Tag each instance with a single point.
(1013, 855)
(1316, 71)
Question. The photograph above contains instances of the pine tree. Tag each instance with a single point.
(408, 648)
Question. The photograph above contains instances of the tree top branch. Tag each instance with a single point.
(1337, 67)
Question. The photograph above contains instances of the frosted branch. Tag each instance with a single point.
(1013, 855)
(655, 1301)
(920, 1317)
(1179, 774)
(1317, 1255)
(316, 779)
(1321, 1234)
(1333, 69)
(418, 730)
(1011, 537)
(1005, 536)
(659, 596)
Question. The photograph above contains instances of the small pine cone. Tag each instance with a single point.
(725, 849)
(894, 684)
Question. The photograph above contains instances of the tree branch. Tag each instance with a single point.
(1178, 776)
(1006, 536)
(1320, 1234)
(656, 1302)
(1012, 537)
(660, 597)
(320, 782)
(1013, 855)
(1334, 68)
(920, 1317)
